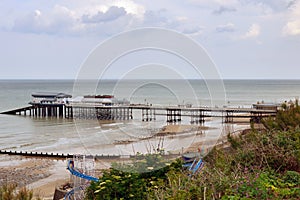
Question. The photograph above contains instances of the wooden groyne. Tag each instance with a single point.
(53, 155)
(173, 114)
(65, 156)
(36, 154)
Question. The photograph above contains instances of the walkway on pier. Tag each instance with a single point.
(198, 114)
(147, 112)
(18, 111)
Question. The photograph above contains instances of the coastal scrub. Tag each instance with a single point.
(259, 164)
(10, 191)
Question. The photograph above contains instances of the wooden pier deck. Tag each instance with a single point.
(173, 114)
(19, 111)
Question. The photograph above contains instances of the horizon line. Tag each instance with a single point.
(137, 79)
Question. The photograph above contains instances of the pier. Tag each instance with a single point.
(107, 107)
(173, 114)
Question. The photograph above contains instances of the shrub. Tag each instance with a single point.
(260, 164)
(133, 181)
(11, 192)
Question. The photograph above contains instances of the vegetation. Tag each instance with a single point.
(12, 192)
(259, 164)
(135, 180)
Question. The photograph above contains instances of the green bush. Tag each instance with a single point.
(133, 181)
(260, 164)
(265, 185)
(286, 119)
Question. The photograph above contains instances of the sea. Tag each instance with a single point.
(58, 135)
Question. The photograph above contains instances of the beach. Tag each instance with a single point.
(43, 175)
(127, 137)
(40, 175)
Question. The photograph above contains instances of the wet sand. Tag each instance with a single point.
(178, 129)
(171, 129)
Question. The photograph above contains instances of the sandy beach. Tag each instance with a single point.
(40, 175)
(43, 175)
(172, 129)
(23, 171)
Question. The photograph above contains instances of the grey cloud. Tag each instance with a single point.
(277, 6)
(35, 22)
(61, 21)
(223, 9)
(225, 28)
(163, 18)
(291, 3)
(155, 18)
(111, 14)
(192, 30)
(111, 28)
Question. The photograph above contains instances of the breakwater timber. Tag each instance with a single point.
(64, 156)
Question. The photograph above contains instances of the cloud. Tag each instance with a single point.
(192, 30)
(100, 19)
(225, 28)
(111, 14)
(76, 18)
(208, 3)
(61, 19)
(156, 18)
(166, 19)
(253, 32)
(224, 9)
(292, 27)
(130, 7)
(163, 18)
(291, 3)
(37, 13)
(269, 5)
(29, 23)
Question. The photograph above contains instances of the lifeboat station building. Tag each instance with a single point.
(49, 104)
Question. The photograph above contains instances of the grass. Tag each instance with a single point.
(10, 191)
(260, 164)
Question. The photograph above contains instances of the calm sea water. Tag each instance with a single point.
(90, 136)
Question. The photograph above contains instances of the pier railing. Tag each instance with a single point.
(173, 114)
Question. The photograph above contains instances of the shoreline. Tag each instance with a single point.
(43, 175)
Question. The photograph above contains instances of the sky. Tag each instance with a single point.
(246, 39)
